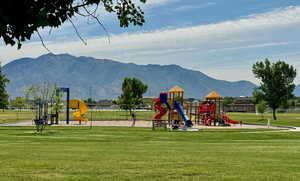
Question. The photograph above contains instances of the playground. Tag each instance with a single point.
(170, 111)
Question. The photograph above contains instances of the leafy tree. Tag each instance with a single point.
(3, 93)
(32, 94)
(90, 101)
(41, 97)
(258, 96)
(19, 102)
(276, 85)
(228, 101)
(19, 20)
(293, 103)
(261, 108)
(132, 95)
(286, 105)
(297, 101)
(57, 105)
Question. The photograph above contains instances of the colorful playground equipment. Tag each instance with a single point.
(78, 115)
(173, 111)
(45, 115)
(211, 111)
(171, 102)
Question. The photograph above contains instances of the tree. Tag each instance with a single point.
(286, 105)
(297, 101)
(132, 95)
(57, 105)
(19, 20)
(261, 108)
(228, 101)
(19, 102)
(3, 94)
(41, 97)
(90, 101)
(293, 103)
(258, 96)
(31, 95)
(276, 85)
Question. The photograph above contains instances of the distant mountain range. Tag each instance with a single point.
(102, 78)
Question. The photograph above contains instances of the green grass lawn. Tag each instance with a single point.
(287, 119)
(18, 116)
(80, 154)
(15, 116)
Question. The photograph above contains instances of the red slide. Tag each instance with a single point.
(228, 120)
(162, 111)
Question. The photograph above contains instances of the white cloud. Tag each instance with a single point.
(196, 45)
(158, 2)
(260, 45)
(189, 7)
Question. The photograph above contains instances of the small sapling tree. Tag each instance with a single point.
(261, 108)
(57, 102)
(19, 102)
(41, 98)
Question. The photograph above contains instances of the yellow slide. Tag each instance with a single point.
(78, 104)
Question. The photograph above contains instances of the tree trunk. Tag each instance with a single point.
(56, 117)
(274, 114)
(132, 117)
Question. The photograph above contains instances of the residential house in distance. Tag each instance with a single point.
(241, 104)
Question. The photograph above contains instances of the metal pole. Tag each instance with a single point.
(67, 108)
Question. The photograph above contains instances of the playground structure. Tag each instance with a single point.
(173, 105)
(43, 117)
(210, 112)
(79, 115)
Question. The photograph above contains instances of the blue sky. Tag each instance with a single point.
(221, 38)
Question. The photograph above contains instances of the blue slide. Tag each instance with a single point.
(179, 108)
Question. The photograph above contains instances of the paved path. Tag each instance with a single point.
(149, 124)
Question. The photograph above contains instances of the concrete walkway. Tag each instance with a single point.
(148, 124)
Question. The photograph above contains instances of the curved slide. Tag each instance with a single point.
(228, 120)
(180, 110)
(78, 104)
(162, 111)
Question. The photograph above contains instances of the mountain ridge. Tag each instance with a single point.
(102, 78)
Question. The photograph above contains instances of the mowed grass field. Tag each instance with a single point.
(81, 154)
(286, 119)
(9, 116)
(15, 116)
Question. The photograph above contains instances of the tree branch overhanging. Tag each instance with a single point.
(19, 21)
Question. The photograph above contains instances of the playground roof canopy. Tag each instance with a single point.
(176, 89)
(213, 95)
